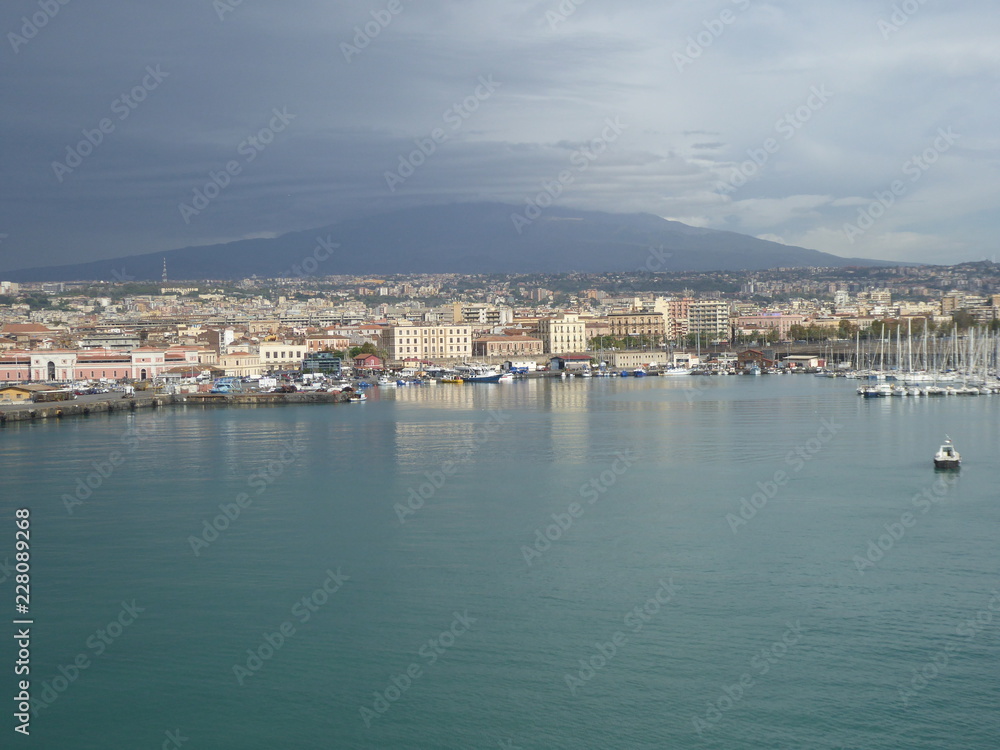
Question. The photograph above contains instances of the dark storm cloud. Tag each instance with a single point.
(698, 90)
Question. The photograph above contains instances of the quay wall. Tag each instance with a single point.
(64, 409)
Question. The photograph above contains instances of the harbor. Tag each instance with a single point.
(86, 407)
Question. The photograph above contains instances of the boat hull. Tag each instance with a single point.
(947, 464)
(483, 378)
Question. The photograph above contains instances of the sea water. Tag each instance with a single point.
(676, 562)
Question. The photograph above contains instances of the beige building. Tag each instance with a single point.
(627, 360)
(637, 324)
(281, 355)
(563, 334)
(709, 316)
(240, 365)
(428, 341)
(502, 346)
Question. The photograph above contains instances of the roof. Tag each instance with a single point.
(29, 387)
(520, 338)
(25, 328)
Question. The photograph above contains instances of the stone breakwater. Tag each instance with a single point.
(63, 409)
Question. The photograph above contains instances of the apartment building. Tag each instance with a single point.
(563, 334)
(650, 325)
(709, 316)
(428, 341)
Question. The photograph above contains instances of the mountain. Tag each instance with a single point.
(462, 238)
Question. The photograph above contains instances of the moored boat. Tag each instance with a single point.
(947, 457)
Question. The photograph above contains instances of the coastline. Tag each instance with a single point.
(104, 405)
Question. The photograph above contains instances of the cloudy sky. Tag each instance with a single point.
(862, 127)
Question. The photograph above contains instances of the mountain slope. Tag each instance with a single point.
(462, 238)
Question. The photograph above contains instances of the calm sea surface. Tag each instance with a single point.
(577, 572)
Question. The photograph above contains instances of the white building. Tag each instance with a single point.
(563, 334)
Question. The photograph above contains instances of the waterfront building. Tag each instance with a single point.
(564, 333)
(428, 341)
(241, 364)
(322, 362)
(281, 354)
(627, 360)
(648, 325)
(709, 316)
(66, 365)
(499, 346)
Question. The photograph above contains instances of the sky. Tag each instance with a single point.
(860, 128)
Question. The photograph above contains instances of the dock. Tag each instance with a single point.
(106, 405)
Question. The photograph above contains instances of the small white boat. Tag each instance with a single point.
(947, 457)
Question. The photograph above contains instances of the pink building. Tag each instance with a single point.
(42, 365)
(765, 322)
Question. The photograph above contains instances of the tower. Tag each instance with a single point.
(164, 270)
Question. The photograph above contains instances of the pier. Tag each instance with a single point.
(86, 406)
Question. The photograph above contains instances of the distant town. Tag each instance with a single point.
(164, 331)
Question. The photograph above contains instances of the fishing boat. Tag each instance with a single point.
(478, 374)
(947, 457)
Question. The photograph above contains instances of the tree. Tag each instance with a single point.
(963, 319)
(847, 330)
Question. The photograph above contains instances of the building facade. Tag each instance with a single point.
(709, 316)
(278, 355)
(501, 346)
(67, 365)
(648, 325)
(564, 334)
(428, 341)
